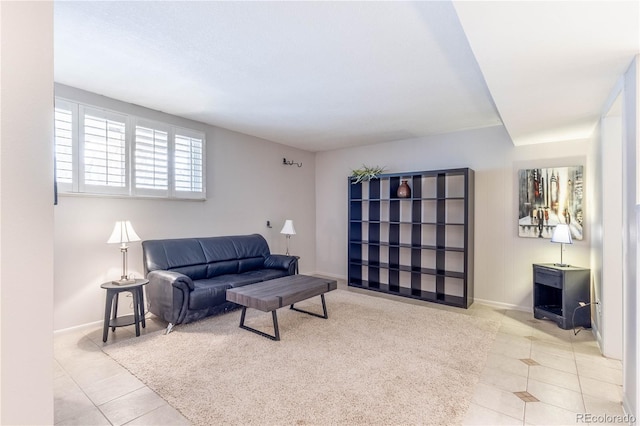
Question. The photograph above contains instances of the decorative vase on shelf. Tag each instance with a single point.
(403, 190)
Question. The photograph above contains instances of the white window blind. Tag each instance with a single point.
(151, 158)
(64, 135)
(100, 151)
(188, 162)
(104, 150)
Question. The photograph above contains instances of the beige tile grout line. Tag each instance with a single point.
(526, 404)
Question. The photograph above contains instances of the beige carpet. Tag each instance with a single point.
(374, 361)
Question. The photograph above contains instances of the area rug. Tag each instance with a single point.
(374, 361)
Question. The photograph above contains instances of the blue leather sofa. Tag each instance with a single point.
(189, 277)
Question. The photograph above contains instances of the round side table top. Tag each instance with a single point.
(111, 285)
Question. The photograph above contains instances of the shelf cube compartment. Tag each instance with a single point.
(428, 259)
(384, 189)
(455, 186)
(454, 261)
(453, 287)
(383, 254)
(405, 211)
(428, 211)
(384, 211)
(384, 232)
(405, 256)
(429, 187)
(405, 279)
(454, 211)
(384, 276)
(428, 283)
(454, 236)
(364, 211)
(405, 233)
(364, 190)
(428, 235)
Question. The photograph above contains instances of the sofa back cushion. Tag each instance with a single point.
(250, 264)
(195, 272)
(172, 253)
(248, 246)
(218, 249)
(222, 268)
(201, 258)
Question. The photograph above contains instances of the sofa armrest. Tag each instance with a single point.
(175, 279)
(281, 261)
(168, 295)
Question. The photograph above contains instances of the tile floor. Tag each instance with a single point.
(536, 374)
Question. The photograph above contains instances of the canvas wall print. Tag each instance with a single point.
(549, 197)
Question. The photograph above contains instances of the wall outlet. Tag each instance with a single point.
(599, 307)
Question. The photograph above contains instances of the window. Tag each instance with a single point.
(66, 114)
(151, 158)
(106, 152)
(188, 157)
(103, 148)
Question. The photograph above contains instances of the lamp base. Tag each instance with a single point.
(563, 265)
(123, 281)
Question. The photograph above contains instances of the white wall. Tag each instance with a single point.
(631, 297)
(503, 271)
(26, 213)
(606, 224)
(246, 186)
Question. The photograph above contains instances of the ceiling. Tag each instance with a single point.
(327, 75)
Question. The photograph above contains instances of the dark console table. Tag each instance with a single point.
(558, 292)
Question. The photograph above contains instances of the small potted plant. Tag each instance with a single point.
(365, 173)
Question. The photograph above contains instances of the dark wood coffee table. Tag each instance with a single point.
(268, 296)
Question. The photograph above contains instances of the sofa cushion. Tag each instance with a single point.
(236, 280)
(208, 293)
(218, 249)
(195, 272)
(171, 254)
(183, 253)
(248, 246)
(260, 275)
(250, 264)
(222, 268)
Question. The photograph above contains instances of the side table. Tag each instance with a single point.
(111, 319)
(562, 294)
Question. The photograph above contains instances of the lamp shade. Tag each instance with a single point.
(561, 234)
(123, 233)
(288, 228)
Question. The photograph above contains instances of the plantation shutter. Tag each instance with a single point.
(104, 152)
(189, 164)
(65, 116)
(151, 171)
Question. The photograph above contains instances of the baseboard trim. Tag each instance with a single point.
(491, 303)
(326, 274)
(78, 327)
(502, 305)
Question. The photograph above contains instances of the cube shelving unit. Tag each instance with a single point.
(420, 246)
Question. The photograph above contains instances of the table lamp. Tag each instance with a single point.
(562, 235)
(122, 234)
(288, 230)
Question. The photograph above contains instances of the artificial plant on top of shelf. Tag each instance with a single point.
(366, 173)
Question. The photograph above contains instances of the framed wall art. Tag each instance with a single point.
(548, 197)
